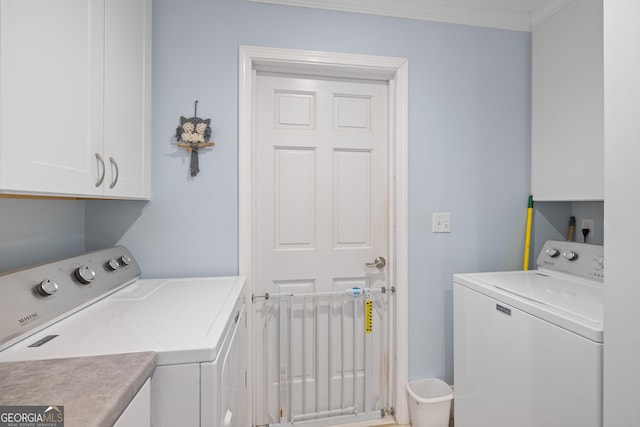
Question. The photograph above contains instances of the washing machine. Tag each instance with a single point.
(528, 344)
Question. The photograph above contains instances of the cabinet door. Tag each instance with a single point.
(50, 76)
(138, 412)
(568, 104)
(127, 89)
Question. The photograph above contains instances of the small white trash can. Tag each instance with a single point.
(429, 402)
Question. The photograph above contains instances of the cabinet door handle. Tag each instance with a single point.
(114, 165)
(101, 177)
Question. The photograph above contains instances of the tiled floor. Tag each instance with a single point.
(405, 425)
(388, 421)
(386, 425)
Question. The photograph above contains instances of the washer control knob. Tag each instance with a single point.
(124, 260)
(47, 287)
(601, 261)
(570, 255)
(112, 264)
(553, 252)
(85, 274)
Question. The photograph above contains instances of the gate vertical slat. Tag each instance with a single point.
(329, 354)
(290, 358)
(353, 354)
(304, 354)
(317, 352)
(368, 362)
(342, 345)
(285, 310)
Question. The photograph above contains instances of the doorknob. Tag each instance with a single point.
(379, 262)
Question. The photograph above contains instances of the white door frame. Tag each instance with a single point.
(395, 72)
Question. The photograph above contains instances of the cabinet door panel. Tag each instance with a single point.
(127, 96)
(568, 104)
(49, 75)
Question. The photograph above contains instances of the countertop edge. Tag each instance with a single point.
(94, 390)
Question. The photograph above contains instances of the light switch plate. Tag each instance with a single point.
(441, 222)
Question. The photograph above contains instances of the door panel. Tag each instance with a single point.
(294, 196)
(352, 198)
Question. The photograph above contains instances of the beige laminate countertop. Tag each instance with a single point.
(93, 390)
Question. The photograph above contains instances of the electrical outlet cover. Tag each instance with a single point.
(590, 224)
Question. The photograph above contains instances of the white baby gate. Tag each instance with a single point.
(325, 356)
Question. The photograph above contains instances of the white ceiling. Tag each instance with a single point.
(519, 15)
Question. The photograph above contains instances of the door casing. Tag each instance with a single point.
(328, 64)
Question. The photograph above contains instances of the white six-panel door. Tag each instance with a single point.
(321, 196)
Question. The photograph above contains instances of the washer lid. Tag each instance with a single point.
(571, 303)
(182, 320)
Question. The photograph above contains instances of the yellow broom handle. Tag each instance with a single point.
(527, 243)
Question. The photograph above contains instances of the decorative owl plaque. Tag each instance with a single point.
(193, 134)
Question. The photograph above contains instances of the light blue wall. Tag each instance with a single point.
(469, 126)
(551, 222)
(35, 231)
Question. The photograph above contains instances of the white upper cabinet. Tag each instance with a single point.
(127, 82)
(75, 97)
(568, 104)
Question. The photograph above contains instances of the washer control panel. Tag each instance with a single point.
(578, 259)
(35, 296)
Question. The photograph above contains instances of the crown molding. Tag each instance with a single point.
(548, 9)
(424, 10)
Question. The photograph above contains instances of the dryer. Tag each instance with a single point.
(528, 344)
(95, 304)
